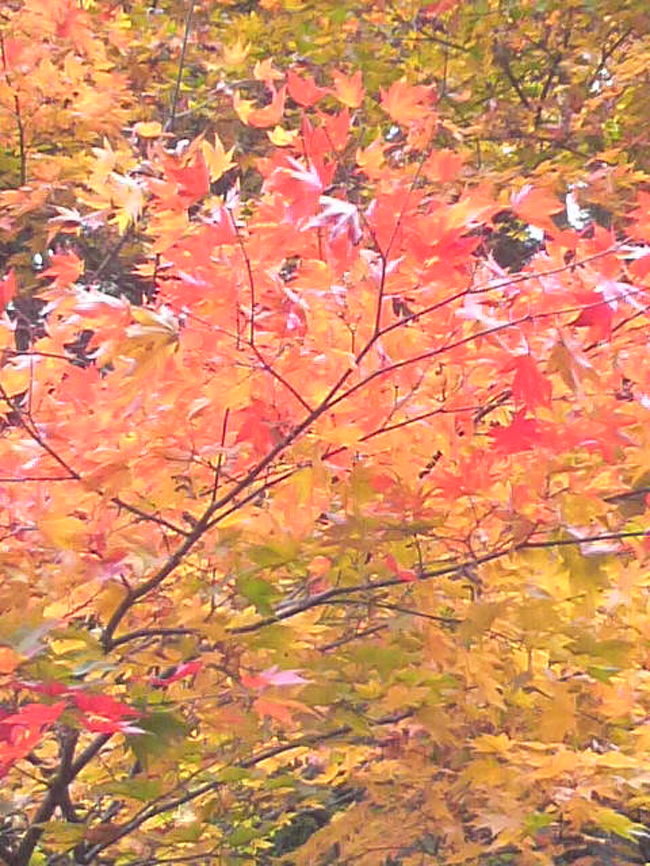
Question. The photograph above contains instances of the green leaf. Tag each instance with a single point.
(259, 592)
(137, 789)
(161, 730)
(618, 824)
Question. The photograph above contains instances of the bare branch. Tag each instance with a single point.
(169, 126)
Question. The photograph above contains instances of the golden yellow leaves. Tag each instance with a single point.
(218, 160)
(120, 195)
(150, 338)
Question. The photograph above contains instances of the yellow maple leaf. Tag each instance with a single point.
(217, 159)
(150, 337)
(282, 137)
(148, 129)
(264, 70)
(349, 89)
(371, 159)
(62, 531)
(235, 55)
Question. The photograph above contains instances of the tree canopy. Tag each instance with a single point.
(324, 459)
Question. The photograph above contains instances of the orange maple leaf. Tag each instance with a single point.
(270, 115)
(535, 205)
(530, 388)
(65, 268)
(406, 103)
(304, 90)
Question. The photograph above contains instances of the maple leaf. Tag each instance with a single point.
(281, 711)
(273, 677)
(190, 171)
(597, 316)
(65, 269)
(443, 165)
(348, 89)
(103, 705)
(304, 90)
(265, 71)
(261, 117)
(522, 434)
(406, 103)
(535, 205)
(433, 10)
(102, 714)
(301, 186)
(371, 159)
(337, 129)
(127, 201)
(35, 715)
(148, 129)
(9, 660)
(405, 574)
(217, 159)
(282, 137)
(235, 55)
(73, 24)
(51, 689)
(341, 216)
(529, 387)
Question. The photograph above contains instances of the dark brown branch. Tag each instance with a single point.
(212, 516)
(348, 638)
(222, 445)
(73, 475)
(502, 57)
(152, 632)
(250, 278)
(484, 288)
(284, 382)
(546, 88)
(69, 769)
(247, 763)
(384, 254)
(333, 595)
(110, 255)
(169, 126)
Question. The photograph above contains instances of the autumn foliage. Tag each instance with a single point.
(324, 453)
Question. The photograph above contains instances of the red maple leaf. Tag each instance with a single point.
(597, 316)
(405, 103)
(7, 288)
(522, 434)
(191, 175)
(337, 128)
(103, 705)
(529, 387)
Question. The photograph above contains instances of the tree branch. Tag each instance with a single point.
(211, 516)
(247, 763)
(332, 595)
(169, 126)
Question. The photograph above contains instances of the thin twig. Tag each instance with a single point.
(307, 741)
(337, 593)
(169, 126)
(22, 144)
